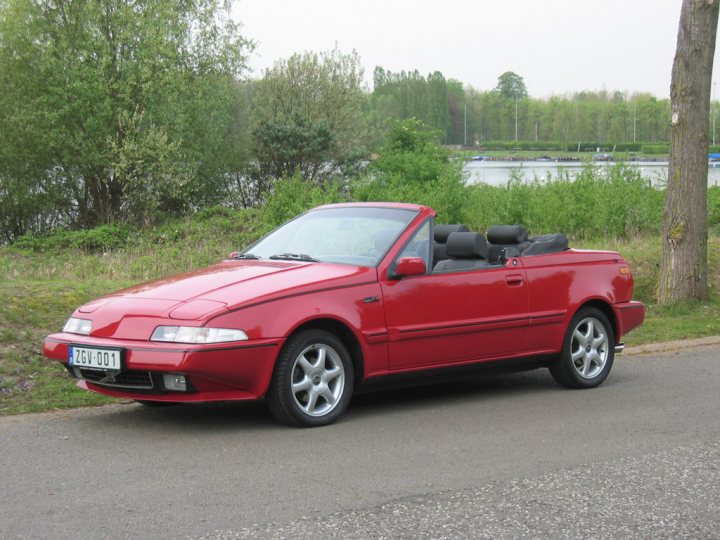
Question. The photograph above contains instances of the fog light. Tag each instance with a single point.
(171, 381)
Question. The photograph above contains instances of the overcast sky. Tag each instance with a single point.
(557, 46)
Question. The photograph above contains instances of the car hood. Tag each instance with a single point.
(227, 285)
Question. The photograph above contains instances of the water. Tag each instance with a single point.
(498, 172)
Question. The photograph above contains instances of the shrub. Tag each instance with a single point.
(294, 195)
(103, 238)
(597, 202)
(412, 167)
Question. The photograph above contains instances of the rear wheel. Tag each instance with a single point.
(313, 380)
(588, 351)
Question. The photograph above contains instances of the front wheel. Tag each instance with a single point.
(588, 351)
(313, 380)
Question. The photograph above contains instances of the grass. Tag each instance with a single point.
(29, 310)
(685, 320)
(41, 287)
(39, 291)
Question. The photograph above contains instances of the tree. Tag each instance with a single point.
(511, 85)
(118, 108)
(437, 113)
(685, 219)
(308, 117)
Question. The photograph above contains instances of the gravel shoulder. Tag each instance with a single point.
(669, 494)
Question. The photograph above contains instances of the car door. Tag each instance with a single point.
(445, 318)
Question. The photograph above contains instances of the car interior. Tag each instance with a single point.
(455, 247)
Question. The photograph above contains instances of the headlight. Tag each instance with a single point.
(193, 334)
(78, 326)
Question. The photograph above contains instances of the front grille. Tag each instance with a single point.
(118, 379)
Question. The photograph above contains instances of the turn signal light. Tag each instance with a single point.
(625, 270)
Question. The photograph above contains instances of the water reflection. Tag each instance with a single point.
(498, 172)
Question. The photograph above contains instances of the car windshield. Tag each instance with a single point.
(346, 235)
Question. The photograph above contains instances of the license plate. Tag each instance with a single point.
(84, 357)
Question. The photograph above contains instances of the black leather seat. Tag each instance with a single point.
(511, 238)
(440, 236)
(466, 250)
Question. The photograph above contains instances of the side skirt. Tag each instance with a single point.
(450, 374)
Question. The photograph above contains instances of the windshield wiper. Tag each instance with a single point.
(293, 257)
(245, 256)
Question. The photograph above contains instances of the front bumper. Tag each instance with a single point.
(216, 372)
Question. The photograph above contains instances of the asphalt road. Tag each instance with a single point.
(504, 457)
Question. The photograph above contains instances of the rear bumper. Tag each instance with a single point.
(224, 371)
(629, 315)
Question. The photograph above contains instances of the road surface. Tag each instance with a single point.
(503, 457)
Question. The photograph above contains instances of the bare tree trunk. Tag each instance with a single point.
(685, 226)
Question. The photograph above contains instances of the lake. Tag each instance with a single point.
(498, 172)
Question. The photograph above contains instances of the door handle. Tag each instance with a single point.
(514, 280)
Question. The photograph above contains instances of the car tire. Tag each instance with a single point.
(588, 351)
(313, 380)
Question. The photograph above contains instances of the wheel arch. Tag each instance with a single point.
(606, 309)
(345, 334)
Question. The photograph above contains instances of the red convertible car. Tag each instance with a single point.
(347, 294)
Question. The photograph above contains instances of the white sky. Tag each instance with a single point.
(557, 46)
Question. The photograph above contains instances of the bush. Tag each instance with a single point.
(446, 194)
(412, 167)
(103, 238)
(294, 195)
(597, 202)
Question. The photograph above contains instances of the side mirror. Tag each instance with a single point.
(233, 254)
(410, 266)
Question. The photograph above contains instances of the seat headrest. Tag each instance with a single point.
(507, 234)
(441, 232)
(467, 245)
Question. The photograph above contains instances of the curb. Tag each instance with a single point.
(669, 346)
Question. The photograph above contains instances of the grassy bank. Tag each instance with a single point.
(42, 282)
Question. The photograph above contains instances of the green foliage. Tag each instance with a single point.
(411, 153)
(294, 145)
(469, 116)
(307, 118)
(714, 205)
(293, 196)
(404, 95)
(446, 193)
(511, 85)
(609, 202)
(411, 167)
(99, 239)
(118, 109)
